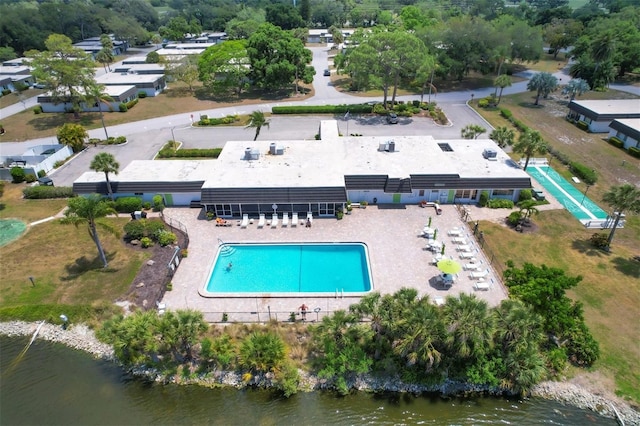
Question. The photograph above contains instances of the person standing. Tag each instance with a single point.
(303, 311)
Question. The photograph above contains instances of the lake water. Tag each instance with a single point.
(54, 385)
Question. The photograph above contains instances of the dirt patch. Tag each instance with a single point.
(150, 283)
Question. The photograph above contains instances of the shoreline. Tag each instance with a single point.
(81, 337)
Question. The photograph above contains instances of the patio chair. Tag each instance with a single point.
(463, 247)
(274, 221)
(481, 285)
(285, 220)
(479, 274)
(261, 220)
(294, 219)
(472, 266)
(466, 255)
(245, 221)
(454, 233)
(459, 240)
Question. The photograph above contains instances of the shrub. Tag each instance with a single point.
(142, 94)
(379, 109)
(37, 109)
(146, 242)
(153, 227)
(122, 107)
(17, 174)
(339, 214)
(30, 178)
(500, 203)
(587, 174)
(184, 253)
(599, 240)
(165, 238)
(128, 204)
(582, 349)
(583, 125)
(6, 92)
(229, 119)
(157, 201)
(506, 113)
(616, 142)
(146, 205)
(484, 198)
(323, 109)
(131, 103)
(483, 103)
(525, 195)
(41, 173)
(514, 218)
(135, 229)
(634, 152)
(415, 103)
(120, 140)
(189, 153)
(43, 192)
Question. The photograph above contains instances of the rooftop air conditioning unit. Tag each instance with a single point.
(490, 154)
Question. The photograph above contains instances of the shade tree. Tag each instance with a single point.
(224, 67)
(73, 135)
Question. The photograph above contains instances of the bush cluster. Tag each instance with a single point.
(616, 142)
(587, 174)
(127, 204)
(600, 241)
(6, 92)
(138, 229)
(505, 113)
(142, 94)
(562, 157)
(323, 109)
(514, 218)
(634, 152)
(18, 174)
(165, 237)
(484, 198)
(583, 125)
(30, 178)
(206, 121)
(500, 203)
(167, 152)
(525, 195)
(42, 192)
(158, 203)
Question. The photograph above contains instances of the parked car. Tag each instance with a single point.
(392, 118)
(45, 181)
(39, 86)
(327, 73)
(538, 194)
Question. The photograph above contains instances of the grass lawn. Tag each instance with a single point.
(14, 98)
(64, 263)
(177, 99)
(610, 290)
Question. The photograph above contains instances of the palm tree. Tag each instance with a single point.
(503, 136)
(106, 163)
(105, 57)
(543, 83)
(180, 331)
(472, 131)
(576, 87)
(87, 210)
(501, 82)
(262, 351)
(96, 94)
(469, 326)
(530, 143)
(257, 120)
(528, 208)
(621, 198)
(370, 306)
(517, 326)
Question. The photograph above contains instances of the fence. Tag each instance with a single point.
(175, 224)
(313, 315)
(481, 240)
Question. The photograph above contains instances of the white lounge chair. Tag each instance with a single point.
(466, 255)
(310, 217)
(261, 220)
(479, 274)
(285, 220)
(274, 221)
(459, 240)
(472, 266)
(463, 248)
(481, 285)
(454, 233)
(294, 219)
(245, 221)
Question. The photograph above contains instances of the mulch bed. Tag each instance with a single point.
(150, 283)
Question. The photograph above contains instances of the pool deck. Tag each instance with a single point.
(396, 251)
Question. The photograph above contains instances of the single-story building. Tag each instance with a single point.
(34, 159)
(140, 69)
(17, 62)
(320, 176)
(599, 113)
(627, 130)
(92, 45)
(134, 60)
(119, 94)
(12, 74)
(322, 35)
(151, 84)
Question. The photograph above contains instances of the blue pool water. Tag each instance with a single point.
(571, 197)
(290, 268)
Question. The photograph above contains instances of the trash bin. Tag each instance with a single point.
(137, 214)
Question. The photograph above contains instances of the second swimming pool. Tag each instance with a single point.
(326, 268)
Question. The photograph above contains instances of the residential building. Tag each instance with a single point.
(627, 130)
(598, 114)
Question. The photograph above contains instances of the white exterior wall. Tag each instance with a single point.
(599, 126)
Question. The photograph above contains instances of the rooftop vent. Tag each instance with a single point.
(445, 147)
(490, 154)
(389, 146)
(251, 154)
(275, 150)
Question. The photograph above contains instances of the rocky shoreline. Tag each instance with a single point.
(82, 338)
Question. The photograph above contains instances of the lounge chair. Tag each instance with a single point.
(261, 220)
(455, 233)
(472, 267)
(459, 240)
(294, 219)
(466, 255)
(481, 285)
(463, 248)
(245, 221)
(274, 221)
(479, 274)
(285, 220)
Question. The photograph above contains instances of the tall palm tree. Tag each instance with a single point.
(96, 94)
(624, 198)
(257, 120)
(370, 307)
(106, 163)
(543, 83)
(503, 136)
(180, 331)
(469, 326)
(501, 82)
(576, 87)
(517, 326)
(87, 210)
(530, 143)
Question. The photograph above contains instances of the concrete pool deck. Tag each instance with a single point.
(396, 251)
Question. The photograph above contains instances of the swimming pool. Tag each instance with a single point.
(321, 269)
(568, 195)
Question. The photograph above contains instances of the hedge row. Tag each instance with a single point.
(616, 142)
(192, 152)
(124, 107)
(587, 174)
(323, 109)
(505, 113)
(41, 192)
(635, 152)
(583, 125)
(206, 121)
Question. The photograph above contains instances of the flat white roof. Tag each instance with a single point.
(14, 69)
(124, 79)
(117, 90)
(140, 67)
(632, 123)
(611, 106)
(135, 60)
(180, 52)
(157, 171)
(189, 46)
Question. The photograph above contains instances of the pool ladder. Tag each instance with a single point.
(225, 250)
